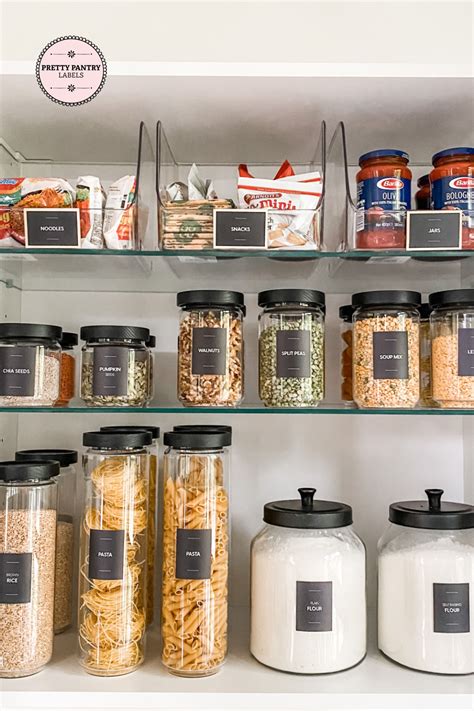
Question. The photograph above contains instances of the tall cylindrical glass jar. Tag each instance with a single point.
(211, 348)
(426, 397)
(67, 384)
(195, 552)
(291, 347)
(386, 349)
(345, 314)
(151, 345)
(113, 552)
(28, 501)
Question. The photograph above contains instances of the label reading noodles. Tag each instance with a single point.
(110, 372)
(193, 553)
(451, 608)
(209, 354)
(293, 354)
(313, 606)
(15, 578)
(106, 550)
(17, 371)
(466, 351)
(390, 355)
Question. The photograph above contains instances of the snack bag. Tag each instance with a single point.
(10, 194)
(120, 214)
(90, 200)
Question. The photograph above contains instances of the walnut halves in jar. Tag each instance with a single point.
(210, 348)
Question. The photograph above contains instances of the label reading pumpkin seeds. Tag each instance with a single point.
(390, 349)
(451, 608)
(293, 354)
(106, 550)
(466, 351)
(17, 371)
(110, 374)
(15, 578)
(209, 353)
(313, 606)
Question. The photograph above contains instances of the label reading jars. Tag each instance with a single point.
(466, 351)
(106, 554)
(209, 351)
(15, 578)
(390, 349)
(110, 376)
(313, 607)
(451, 607)
(17, 371)
(293, 354)
(193, 553)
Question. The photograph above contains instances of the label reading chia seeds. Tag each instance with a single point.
(15, 578)
(390, 349)
(209, 353)
(293, 354)
(110, 373)
(17, 371)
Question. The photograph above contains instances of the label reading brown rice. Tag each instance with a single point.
(17, 371)
(15, 578)
(390, 350)
(466, 351)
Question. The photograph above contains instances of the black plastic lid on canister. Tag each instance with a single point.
(346, 312)
(117, 440)
(311, 297)
(425, 311)
(386, 298)
(31, 330)
(208, 298)
(155, 431)
(452, 297)
(183, 439)
(32, 470)
(202, 428)
(432, 513)
(129, 333)
(65, 457)
(68, 340)
(307, 512)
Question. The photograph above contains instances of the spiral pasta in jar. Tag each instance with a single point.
(112, 611)
(210, 348)
(195, 551)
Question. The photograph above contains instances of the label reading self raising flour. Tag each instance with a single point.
(106, 554)
(17, 371)
(451, 607)
(209, 351)
(293, 354)
(466, 351)
(193, 553)
(110, 372)
(15, 578)
(313, 607)
(390, 349)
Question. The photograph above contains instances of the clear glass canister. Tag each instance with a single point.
(291, 347)
(426, 399)
(30, 357)
(151, 345)
(195, 552)
(115, 366)
(112, 576)
(426, 585)
(345, 314)
(386, 349)
(67, 384)
(308, 587)
(210, 348)
(28, 500)
(452, 347)
(65, 531)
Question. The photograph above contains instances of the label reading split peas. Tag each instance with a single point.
(390, 355)
(293, 354)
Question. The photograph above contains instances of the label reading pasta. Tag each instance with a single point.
(466, 351)
(390, 349)
(110, 374)
(106, 554)
(451, 607)
(15, 578)
(193, 553)
(17, 371)
(293, 354)
(209, 354)
(313, 606)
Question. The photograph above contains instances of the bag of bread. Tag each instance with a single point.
(90, 200)
(119, 215)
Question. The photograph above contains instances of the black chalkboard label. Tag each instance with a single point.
(17, 371)
(390, 351)
(110, 371)
(209, 353)
(15, 578)
(293, 354)
(46, 227)
(466, 351)
(240, 229)
(106, 550)
(193, 553)
(313, 606)
(451, 608)
(434, 229)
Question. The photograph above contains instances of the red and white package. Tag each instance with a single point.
(291, 201)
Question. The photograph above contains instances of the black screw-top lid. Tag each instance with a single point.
(346, 312)
(117, 440)
(30, 330)
(425, 311)
(68, 340)
(183, 439)
(452, 297)
(207, 298)
(432, 513)
(423, 180)
(130, 333)
(65, 457)
(292, 296)
(307, 512)
(387, 298)
(151, 342)
(155, 431)
(11, 472)
(202, 428)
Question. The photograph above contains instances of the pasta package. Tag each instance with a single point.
(90, 201)
(119, 218)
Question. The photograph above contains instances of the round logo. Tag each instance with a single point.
(390, 184)
(71, 70)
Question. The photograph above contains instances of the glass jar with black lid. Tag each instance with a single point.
(345, 314)
(67, 386)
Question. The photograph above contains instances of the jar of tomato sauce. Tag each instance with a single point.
(452, 187)
(423, 194)
(383, 197)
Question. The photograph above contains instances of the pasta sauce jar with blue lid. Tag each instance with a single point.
(452, 187)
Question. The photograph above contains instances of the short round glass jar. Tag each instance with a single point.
(345, 314)
(67, 383)
(28, 501)
(30, 362)
(151, 345)
(426, 585)
(426, 399)
(115, 366)
(452, 347)
(210, 348)
(308, 587)
(291, 347)
(386, 349)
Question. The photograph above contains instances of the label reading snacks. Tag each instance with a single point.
(209, 351)
(293, 354)
(390, 350)
(15, 578)
(193, 553)
(466, 351)
(17, 371)
(106, 554)
(110, 374)
(313, 607)
(451, 607)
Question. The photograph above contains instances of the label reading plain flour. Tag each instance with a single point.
(313, 606)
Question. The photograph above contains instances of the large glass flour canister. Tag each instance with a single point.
(426, 584)
(308, 587)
